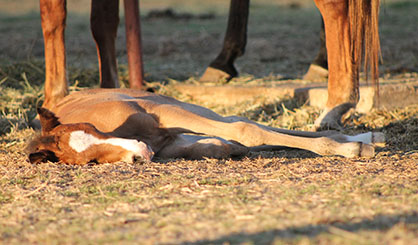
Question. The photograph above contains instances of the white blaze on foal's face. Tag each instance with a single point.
(80, 141)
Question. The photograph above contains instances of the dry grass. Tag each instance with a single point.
(283, 197)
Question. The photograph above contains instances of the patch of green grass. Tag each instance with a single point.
(5, 197)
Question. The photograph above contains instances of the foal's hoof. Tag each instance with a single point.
(35, 123)
(366, 150)
(378, 139)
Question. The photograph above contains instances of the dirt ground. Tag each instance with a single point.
(283, 197)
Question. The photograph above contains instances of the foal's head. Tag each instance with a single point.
(81, 143)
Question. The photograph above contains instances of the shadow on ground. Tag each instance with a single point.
(381, 222)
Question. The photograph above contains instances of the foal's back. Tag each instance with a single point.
(125, 113)
(107, 109)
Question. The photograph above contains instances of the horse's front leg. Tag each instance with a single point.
(53, 15)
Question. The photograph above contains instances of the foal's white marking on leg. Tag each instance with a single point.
(81, 141)
(378, 138)
(365, 138)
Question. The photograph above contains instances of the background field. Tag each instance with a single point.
(281, 197)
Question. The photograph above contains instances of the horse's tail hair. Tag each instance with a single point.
(365, 43)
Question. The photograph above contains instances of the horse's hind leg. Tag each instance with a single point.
(343, 92)
(104, 20)
(318, 70)
(222, 68)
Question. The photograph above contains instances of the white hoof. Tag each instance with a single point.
(379, 139)
(366, 150)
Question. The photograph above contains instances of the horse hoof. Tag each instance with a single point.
(328, 121)
(328, 125)
(331, 118)
(316, 73)
(213, 75)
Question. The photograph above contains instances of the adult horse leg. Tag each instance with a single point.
(342, 81)
(222, 68)
(133, 43)
(351, 31)
(53, 15)
(318, 70)
(104, 20)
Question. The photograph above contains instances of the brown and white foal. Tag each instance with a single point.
(81, 143)
(111, 125)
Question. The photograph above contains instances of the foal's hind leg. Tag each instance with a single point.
(250, 134)
(376, 138)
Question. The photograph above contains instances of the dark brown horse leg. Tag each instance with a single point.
(104, 22)
(133, 43)
(318, 70)
(343, 92)
(222, 68)
(53, 14)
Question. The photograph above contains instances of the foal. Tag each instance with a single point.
(93, 122)
(81, 143)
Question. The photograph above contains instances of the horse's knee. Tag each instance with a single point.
(332, 8)
(53, 15)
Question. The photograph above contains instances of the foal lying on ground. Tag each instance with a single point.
(110, 125)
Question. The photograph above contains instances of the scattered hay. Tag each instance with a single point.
(286, 196)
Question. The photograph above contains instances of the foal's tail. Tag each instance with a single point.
(365, 44)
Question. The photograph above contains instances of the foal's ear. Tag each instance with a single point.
(48, 119)
(42, 156)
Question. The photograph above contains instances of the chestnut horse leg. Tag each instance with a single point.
(104, 20)
(133, 43)
(53, 14)
(343, 91)
(222, 68)
(318, 70)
